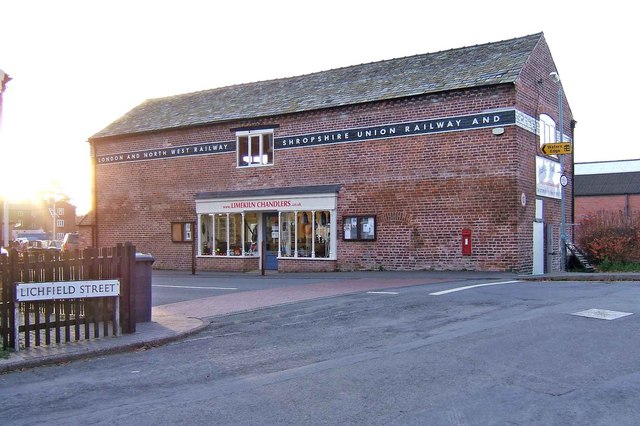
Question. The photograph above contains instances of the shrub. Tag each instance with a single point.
(611, 236)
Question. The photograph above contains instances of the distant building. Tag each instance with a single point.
(607, 186)
(28, 216)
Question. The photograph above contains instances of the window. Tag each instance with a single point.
(60, 211)
(229, 234)
(359, 228)
(255, 148)
(206, 234)
(181, 232)
(251, 234)
(546, 129)
(60, 223)
(305, 234)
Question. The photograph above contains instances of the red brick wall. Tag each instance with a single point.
(424, 189)
(537, 94)
(586, 206)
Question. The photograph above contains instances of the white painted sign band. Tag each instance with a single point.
(27, 292)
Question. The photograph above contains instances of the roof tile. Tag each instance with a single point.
(486, 64)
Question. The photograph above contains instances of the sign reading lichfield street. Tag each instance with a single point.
(439, 125)
(26, 292)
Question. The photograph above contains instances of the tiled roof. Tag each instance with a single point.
(466, 67)
(607, 184)
(602, 167)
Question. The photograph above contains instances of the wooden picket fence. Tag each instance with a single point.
(65, 320)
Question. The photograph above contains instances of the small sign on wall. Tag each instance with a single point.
(548, 178)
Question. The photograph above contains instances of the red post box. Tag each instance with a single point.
(466, 242)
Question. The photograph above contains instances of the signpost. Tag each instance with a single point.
(559, 148)
(4, 79)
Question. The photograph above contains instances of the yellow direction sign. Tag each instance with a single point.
(559, 148)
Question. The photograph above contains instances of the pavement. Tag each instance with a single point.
(171, 322)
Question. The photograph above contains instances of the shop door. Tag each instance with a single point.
(272, 240)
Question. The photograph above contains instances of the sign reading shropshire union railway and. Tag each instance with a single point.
(467, 122)
(440, 125)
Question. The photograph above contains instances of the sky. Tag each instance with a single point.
(76, 66)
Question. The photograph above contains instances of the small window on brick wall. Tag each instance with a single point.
(546, 129)
(359, 228)
(181, 232)
(255, 148)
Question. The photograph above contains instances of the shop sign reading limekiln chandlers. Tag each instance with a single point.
(309, 202)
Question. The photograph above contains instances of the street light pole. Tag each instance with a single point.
(53, 215)
(563, 227)
(4, 79)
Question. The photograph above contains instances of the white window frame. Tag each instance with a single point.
(547, 129)
(60, 223)
(261, 155)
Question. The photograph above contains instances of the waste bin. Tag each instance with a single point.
(142, 286)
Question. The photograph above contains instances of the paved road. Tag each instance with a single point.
(179, 286)
(501, 354)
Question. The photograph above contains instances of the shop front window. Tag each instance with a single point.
(302, 234)
(288, 234)
(220, 232)
(322, 234)
(250, 234)
(306, 234)
(206, 234)
(233, 234)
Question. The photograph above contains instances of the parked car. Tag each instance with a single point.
(55, 245)
(71, 242)
(3, 251)
(37, 246)
(21, 245)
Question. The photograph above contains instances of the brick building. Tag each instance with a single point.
(607, 186)
(425, 162)
(25, 216)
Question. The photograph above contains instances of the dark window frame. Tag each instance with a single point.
(359, 221)
(182, 232)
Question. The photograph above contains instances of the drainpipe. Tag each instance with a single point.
(4, 79)
(94, 201)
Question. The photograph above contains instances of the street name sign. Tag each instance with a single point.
(27, 292)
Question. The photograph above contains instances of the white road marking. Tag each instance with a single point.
(382, 292)
(602, 314)
(453, 290)
(186, 286)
